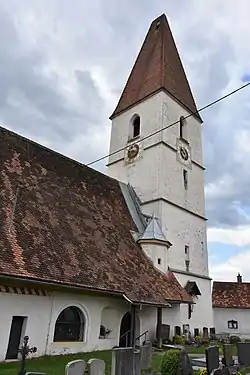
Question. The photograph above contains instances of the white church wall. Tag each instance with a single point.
(42, 311)
(223, 315)
(158, 254)
(181, 228)
(202, 315)
(148, 318)
(171, 112)
(37, 311)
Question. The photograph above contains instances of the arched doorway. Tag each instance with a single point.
(125, 328)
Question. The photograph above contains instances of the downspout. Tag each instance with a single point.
(49, 325)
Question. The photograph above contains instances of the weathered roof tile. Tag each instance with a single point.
(63, 222)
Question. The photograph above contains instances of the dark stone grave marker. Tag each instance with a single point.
(243, 349)
(227, 354)
(212, 358)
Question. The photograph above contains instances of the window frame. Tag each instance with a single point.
(63, 328)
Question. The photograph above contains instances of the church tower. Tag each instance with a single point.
(158, 129)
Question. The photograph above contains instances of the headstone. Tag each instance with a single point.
(243, 349)
(205, 335)
(185, 367)
(212, 358)
(221, 371)
(227, 354)
(96, 367)
(177, 331)
(165, 331)
(76, 367)
(196, 332)
(122, 361)
(146, 355)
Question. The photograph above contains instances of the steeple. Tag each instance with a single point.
(157, 67)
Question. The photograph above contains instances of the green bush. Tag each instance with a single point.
(178, 340)
(203, 371)
(170, 362)
(198, 339)
(234, 339)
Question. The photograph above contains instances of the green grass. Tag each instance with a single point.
(201, 350)
(54, 365)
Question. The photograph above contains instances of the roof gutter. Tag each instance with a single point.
(77, 287)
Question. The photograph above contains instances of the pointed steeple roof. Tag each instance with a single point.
(153, 232)
(158, 66)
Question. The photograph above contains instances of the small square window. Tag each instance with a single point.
(232, 324)
(159, 260)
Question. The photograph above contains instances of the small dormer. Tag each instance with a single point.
(155, 244)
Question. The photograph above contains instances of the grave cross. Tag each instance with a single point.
(24, 351)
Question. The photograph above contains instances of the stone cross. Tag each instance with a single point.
(96, 367)
(76, 367)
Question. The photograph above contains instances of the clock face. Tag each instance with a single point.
(133, 151)
(184, 153)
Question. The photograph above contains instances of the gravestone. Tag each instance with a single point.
(196, 332)
(243, 349)
(76, 367)
(96, 367)
(212, 358)
(122, 361)
(205, 335)
(146, 355)
(165, 331)
(227, 354)
(185, 367)
(221, 371)
(177, 330)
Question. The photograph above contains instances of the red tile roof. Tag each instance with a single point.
(158, 66)
(231, 295)
(64, 222)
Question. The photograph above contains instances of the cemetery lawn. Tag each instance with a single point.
(54, 365)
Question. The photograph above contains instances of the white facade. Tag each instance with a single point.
(157, 177)
(41, 312)
(224, 315)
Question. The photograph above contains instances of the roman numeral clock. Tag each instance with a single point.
(184, 153)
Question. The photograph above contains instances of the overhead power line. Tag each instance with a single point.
(172, 124)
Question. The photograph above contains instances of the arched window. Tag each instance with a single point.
(135, 125)
(70, 325)
(183, 128)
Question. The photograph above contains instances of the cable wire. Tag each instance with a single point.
(174, 123)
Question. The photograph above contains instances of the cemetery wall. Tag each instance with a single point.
(242, 316)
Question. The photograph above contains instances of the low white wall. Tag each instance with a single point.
(202, 315)
(242, 316)
(42, 312)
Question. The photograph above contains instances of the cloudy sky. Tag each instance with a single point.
(63, 65)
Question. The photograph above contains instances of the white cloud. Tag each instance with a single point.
(228, 270)
(233, 236)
